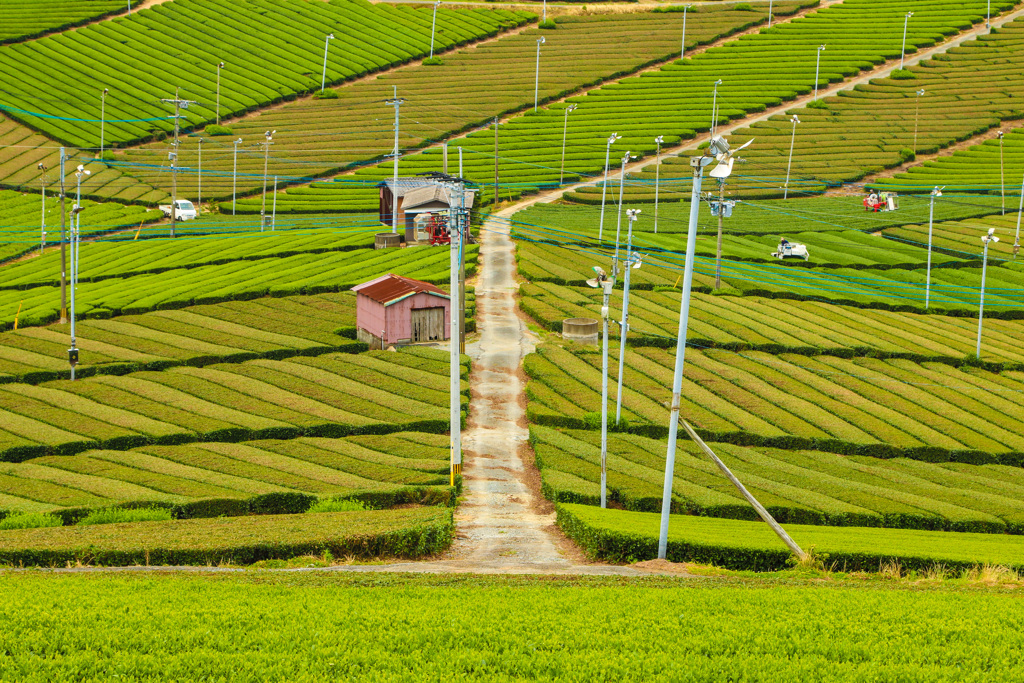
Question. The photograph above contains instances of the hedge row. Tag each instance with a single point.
(542, 415)
(83, 371)
(622, 536)
(407, 533)
(284, 503)
(638, 339)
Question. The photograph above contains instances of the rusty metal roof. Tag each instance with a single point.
(390, 289)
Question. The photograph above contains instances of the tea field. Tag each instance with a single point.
(797, 486)
(301, 626)
(318, 137)
(632, 536)
(26, 19)
(675, 100)
(188, 36)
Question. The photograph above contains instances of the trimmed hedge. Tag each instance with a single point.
(408, 533)
(623, 536)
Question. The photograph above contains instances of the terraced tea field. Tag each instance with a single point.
(307, 273)
(954, 291)
(966, 91)
(623, 535)
(326, 395)
(739, 323)
(22, 221)
(797, 486)
(317, 137)
(189, 35)
(26, 19)
(675, 101)
(860, 405)
(211, 479)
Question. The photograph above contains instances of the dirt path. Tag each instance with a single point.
(503, 526)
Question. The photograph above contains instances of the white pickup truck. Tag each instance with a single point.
(184, 210)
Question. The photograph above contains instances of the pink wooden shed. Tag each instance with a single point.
(399, 310)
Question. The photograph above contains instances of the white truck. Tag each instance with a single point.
(184, 210)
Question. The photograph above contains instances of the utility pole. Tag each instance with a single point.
(179, 104)
(606, 284)
(63, 248)
(273, 215)
(657, 178)
(269, 135)
(465, 234)
(718, 251)
(497, 195)
(624, 326)
(395, 102)
(618, 225)
(455, 227)
(936, 192)
(990, 237)
(103, 116)
(199, 181)
(42, 221)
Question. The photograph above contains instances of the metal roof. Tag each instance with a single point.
(390, 289)
(406, 184)
(433, 193)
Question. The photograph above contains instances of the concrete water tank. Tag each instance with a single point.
(383, 240)
(580, 330)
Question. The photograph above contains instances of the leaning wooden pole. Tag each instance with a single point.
(764, 514)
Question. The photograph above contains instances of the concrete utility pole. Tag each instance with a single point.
(456, 229)
(199, 181)
(395, 102)
(179, 104)
(42, 221)
(565, 129)
(718, 250)
(220, 66)
(63, 248)
(624, 325)
(497, 195)
(269, 135)
(103, 116)
(657, 177)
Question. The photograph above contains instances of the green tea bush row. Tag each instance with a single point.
(796, 486)
(623, 536)
(810, 329)
(409, 533)
(28, 19)
(865, 406)
(124, 46)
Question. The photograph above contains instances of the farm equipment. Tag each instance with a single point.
(437, 230)
(787, 249)
(883, 201)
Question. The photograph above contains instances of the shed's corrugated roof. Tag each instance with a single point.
(389, 289)
(405, 185)
(432, 193)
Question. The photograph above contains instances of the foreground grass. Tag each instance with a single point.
(328, 625)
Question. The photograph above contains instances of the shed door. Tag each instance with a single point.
(428, 324)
